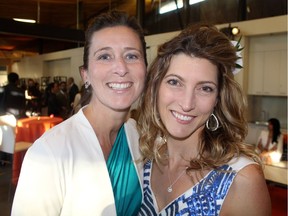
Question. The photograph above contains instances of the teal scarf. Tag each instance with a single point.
(124, 179)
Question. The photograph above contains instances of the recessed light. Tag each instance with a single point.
(24, 20)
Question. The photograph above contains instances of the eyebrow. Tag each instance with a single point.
(209, 82)
(110, 48)
(175, 75)
(180, 78)
(101, 49)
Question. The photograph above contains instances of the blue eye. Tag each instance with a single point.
(207, 89)
(103, 57)
(132, 56)
(173, 82)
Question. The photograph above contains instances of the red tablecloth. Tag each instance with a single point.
(30, 129)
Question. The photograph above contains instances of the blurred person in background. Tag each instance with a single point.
(33, 97)
(72, 90)
(54, 107)
(12, 97)
(63, 100)
(81, 99)
(270, 142)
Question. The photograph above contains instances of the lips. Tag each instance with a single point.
(181, 116)
(119, 86)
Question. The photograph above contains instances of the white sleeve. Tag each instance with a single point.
(39, 190)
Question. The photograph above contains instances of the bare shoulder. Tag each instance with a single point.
(248, 194)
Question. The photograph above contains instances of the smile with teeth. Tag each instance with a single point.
(181, 117)
(119, 86)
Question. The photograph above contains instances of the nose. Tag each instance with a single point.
(187, 101)
(121, 67)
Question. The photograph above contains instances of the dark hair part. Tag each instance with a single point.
(111, 19)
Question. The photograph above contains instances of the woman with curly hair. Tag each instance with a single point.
(192, 127)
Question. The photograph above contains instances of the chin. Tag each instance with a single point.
(121, 108)
(182, 134)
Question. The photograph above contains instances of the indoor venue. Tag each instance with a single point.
(41, 46)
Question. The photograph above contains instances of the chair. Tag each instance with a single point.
(7, 137)
(8, 144)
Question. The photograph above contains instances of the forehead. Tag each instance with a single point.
(114, 36)
(187, 66)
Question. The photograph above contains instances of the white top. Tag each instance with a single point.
(264, 137)
(64, 172)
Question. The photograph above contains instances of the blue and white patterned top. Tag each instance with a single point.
(204, 198)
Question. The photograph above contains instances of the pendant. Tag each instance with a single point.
(169, 189)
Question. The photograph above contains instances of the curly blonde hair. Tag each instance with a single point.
(216, 147)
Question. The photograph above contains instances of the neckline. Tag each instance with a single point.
(154, 197)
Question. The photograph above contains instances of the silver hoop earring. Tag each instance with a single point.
(214, 122)
(86, 85)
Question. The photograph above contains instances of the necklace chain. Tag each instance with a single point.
(169, 189)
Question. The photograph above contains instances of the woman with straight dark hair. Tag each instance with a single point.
(87, 164)
(270, 142)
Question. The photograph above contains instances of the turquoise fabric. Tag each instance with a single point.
(124, 179)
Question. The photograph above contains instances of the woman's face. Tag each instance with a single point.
(187, 95)
(116, 67)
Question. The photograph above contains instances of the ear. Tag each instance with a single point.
(83, 74)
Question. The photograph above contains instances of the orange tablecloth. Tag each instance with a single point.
(30, 129)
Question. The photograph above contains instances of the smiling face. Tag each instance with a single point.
(187, 95)
(116, 67)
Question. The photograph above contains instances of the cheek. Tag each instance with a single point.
(142, 77)
(160, 99)
(164, 99)
(139, 77)
(163, 95)
(140, 72)
(206, 106)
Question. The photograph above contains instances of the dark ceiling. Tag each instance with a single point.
(61, 23)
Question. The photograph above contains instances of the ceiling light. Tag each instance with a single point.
(194, 1)
(230, 32)
(24, 20)
(170, 6)
(235, 30)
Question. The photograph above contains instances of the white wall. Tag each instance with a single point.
(62, 63)
(249, 28)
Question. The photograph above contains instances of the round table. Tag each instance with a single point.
(29, 130)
